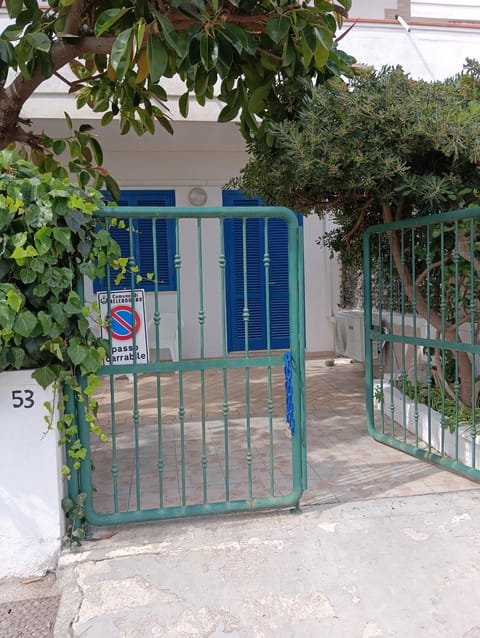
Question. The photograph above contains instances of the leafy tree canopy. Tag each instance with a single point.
(119, 52)
(383, 148)
(379, 148)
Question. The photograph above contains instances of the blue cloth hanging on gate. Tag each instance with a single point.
(290, 413)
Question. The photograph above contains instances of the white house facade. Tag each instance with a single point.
(206, 154)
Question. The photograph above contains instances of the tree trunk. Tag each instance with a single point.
(431, 316)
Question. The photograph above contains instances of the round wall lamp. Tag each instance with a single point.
(197, 196)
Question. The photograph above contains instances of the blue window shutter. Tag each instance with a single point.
(143, 243)
(255, 283)
(235, 276)
(278, 280)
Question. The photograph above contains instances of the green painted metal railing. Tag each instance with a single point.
(203, 434)
(422, 309)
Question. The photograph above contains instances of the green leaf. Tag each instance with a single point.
(17, 357)
(278, 28)
(97, 151)
(320, 55)
(77, 353)
(183, 103)
(256, 101)
(121, 54)
(46, 322)
(107, 118)
(157, 56)
(112, 187)
(39, 41)
(68, 120)
(208, 51)
(25, 323)
(7, 53)
(240, 39)
(45, 376)
(7, 316)
(230, 111)
(59, 146)
(62, 235)
(108, 18)
(14, 7)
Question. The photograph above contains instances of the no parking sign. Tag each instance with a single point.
(124, 323)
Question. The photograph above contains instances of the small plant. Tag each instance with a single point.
(455, 414)
(48, 240)
(74, 509)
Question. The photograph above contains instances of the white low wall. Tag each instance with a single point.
(426, 423)
(31, 486)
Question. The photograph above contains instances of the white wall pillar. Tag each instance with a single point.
(31, 484)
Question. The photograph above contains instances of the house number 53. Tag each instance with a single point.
(23, 398)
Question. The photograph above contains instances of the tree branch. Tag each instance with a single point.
(74, 17)
(359, 221)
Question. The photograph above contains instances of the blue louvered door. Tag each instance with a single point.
(256, 282)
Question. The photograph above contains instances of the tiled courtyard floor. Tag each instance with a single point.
(344, 463)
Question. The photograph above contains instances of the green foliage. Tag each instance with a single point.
(119, 55)
(48, 239)
(382, 138)
(382, 148)
(76, 524)
(455, 414)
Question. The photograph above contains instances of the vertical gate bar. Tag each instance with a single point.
(297, 355)
(443, 307)
(157, 328)
(428, 264)
(246, 318)
(392, 349)
(114, 467)
(456, 386)
(225, 406)
(403, 370)
(301, 329)
(473, 428)
(368, 283)
(416, 413)
(266, 265)
(201, 321)
(368, 239)
(73, 484)
(181, 406)
(133, 270)
(136, 413)
(114, 470)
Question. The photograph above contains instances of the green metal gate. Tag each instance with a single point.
(200, 432)
(422, 308)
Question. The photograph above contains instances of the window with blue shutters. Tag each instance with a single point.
(139, 244)
(278, 293)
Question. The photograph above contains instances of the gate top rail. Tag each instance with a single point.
(425, 220)
(196, 212)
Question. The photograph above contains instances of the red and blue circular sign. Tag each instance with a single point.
(124, 323)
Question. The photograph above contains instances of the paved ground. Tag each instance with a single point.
(385, 546)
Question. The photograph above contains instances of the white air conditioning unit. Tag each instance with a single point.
(349, 334)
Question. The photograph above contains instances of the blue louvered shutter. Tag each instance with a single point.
(278, 282)
(142, 238)
(278, 279)
(255, 285)
(165, 244)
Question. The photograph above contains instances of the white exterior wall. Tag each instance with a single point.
(431, 53)
(31, 484)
